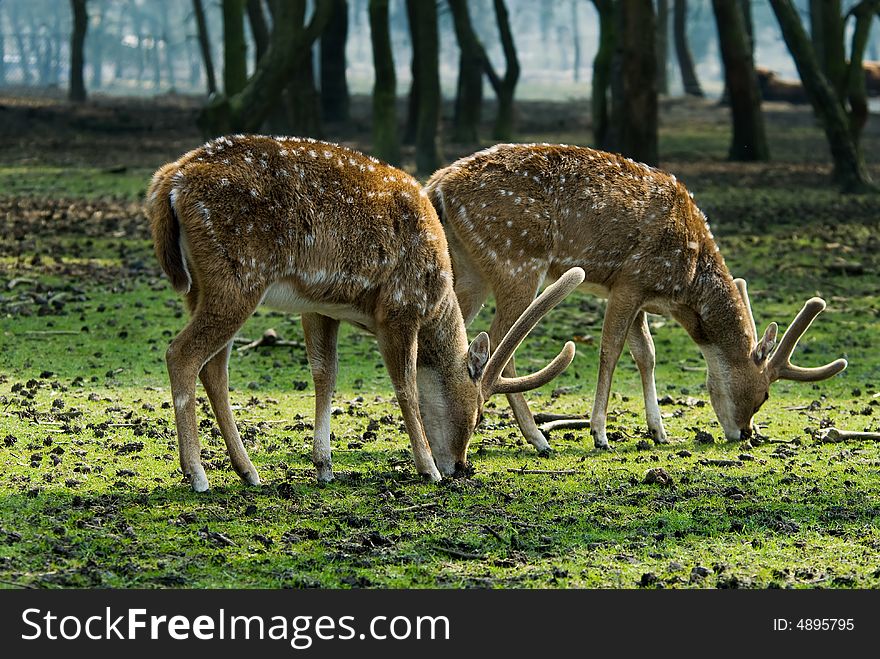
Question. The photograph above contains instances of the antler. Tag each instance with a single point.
(493, 381)
(744, 294)
(780, 364)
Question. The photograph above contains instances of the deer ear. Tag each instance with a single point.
(478, 355)
(765, 346)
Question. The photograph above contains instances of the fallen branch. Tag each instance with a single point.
(722, 463)
(418, 506)
(460, 554)
(569, 423)
(50, 332)
(269, 339)
(563, 472)
(833, 435)
(543, 417)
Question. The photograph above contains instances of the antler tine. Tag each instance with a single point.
(505, 385)
(552, 295)
(780, 362)
(744, 294)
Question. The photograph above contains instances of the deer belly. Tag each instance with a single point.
(284, 297)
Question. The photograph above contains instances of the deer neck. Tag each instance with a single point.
(715, 317)
(443, 339)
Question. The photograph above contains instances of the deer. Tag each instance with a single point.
(516, 215)
(319, 229)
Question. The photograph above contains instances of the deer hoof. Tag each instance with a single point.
(325, 473)
(545, 452)
(432, 476)
(660, 438)
(251, 477)
(198, 480)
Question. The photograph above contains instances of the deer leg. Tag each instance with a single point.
(215, 378)
(641, 345)
(320, 334)
(399, 348)
(619, 316)
(209, 330)
(509, 306)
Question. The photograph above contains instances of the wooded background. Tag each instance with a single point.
(292, 66)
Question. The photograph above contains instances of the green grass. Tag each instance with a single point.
(72, 181)
(91, 493)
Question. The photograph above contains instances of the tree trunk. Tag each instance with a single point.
(827, 27)
(234, 47)
(683, 51)
(469, 100)
(428, 117)
(849, 166)
(412, 105)
(749, 141)
(96, 50)
(171, 57)
(504, 87)
(385, 140)
(2, 53)
(662, 46)
(259, 28)
(750, 26)
(302, 99)
(205, 45)
(334, 86)
(636, 113)
(77, 92)
(288, 47)
(576, 41)
(856, 91)
(602, 75)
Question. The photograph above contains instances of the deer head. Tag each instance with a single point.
(451, 403)
(738, 391)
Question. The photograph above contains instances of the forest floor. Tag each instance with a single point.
(91, 493)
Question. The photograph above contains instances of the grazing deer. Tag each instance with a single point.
(516, 214)
(315, 228)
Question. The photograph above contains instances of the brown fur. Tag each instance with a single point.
(516, 214)
(320, 229)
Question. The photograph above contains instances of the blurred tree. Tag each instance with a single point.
(469, 99)
(412, 105)
(205, 45)
(19, 30)
(662, 46)
(827, 35)
(424, 32)
(302, 99)
(77, 91)
(234, 47)
(576, 41)
(842, 126)
(682, 50)
(259, 28)
(634, 92)
(289, 45)
(749, 141)
(334, 86)
(2, 49)
(504, 87)
(385, 140)
(602, 75)
(95, 45)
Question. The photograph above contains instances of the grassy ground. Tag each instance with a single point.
(91, 493)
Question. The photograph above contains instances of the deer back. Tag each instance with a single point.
(336, 225)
